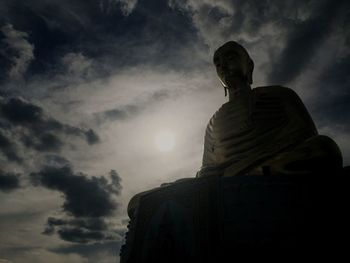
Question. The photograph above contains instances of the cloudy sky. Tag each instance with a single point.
(88, 88)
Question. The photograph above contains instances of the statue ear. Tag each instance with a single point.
(250, 71)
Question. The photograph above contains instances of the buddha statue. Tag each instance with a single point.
(265, 130)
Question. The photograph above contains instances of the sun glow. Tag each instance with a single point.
(164, 141)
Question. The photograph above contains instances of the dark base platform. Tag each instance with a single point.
(224, 219)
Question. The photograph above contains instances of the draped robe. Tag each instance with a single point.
(247, 131)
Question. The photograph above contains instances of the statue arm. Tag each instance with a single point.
(209, 165)
(208, 145)
(296, 109)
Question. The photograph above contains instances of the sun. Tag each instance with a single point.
(164, 141)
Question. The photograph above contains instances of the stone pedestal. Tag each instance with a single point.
(215, 219)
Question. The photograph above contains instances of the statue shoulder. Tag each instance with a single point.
(293, 104)
(221, 111)
(277, 91)
(284, 94)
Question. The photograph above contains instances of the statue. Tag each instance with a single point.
(265, 130)
(223, 212)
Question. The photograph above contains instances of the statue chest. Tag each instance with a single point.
(239, 128)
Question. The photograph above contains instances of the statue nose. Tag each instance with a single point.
(224, 66)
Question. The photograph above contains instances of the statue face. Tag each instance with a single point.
(232, 65)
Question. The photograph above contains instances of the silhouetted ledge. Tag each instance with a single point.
(218, 218)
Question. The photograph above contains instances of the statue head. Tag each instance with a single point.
(233, 63)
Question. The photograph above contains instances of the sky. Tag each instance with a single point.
(88, 88)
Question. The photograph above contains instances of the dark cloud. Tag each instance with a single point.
(332, 107)
(51, 223)
(120, 113)
(22, 113)
(303, 42)
(27, 123)
(243, 20)
(55, 160)
(115, 186)
(89, 250)
(84, 196)
(91, 136)
(16, 51)
(78, 235)
(43, 143)
(18, 111)
(289, 32)
(8, 148)
(88, 201)
(8, 181)
(110, 38)
(132, 110)
(96, 224)
(80, 230)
